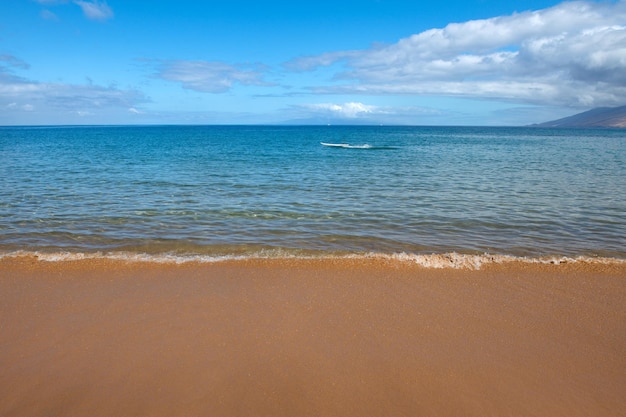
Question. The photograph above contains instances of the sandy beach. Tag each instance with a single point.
(310, 338)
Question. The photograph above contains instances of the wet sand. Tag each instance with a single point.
(310, 338)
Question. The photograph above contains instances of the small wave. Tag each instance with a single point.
(165, 258)
(475, 262)
(451, 260)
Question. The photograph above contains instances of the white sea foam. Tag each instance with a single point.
(464, 261)
(120, 256)
(451, 260)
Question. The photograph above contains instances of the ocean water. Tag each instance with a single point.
(231, 191)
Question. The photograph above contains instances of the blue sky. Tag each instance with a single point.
(472, 62)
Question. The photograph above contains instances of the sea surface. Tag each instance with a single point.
(211, 192)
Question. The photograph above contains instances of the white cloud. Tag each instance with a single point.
(360, 113)
(68, 96)
(24, 107)
(209, 77)
(570, 54)
(18, 94)
(96, 10)
(348, 110)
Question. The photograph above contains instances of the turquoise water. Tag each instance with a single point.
(244, 190)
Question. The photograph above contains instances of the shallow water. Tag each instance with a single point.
(243, 190)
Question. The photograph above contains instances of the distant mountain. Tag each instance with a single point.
(600, 117)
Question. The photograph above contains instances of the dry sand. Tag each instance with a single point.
(310, 338)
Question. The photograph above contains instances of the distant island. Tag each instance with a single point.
(614, 117)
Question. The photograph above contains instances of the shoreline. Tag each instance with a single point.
(454, 260)
(329, 336)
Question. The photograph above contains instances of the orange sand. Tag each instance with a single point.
(310, 338)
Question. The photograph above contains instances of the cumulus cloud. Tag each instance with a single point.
(360, 113)
(349, 110)
(570, 54)
(209, 77)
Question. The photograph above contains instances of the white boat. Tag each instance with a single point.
(346, 145)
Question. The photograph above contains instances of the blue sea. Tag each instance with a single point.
(208, 192)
